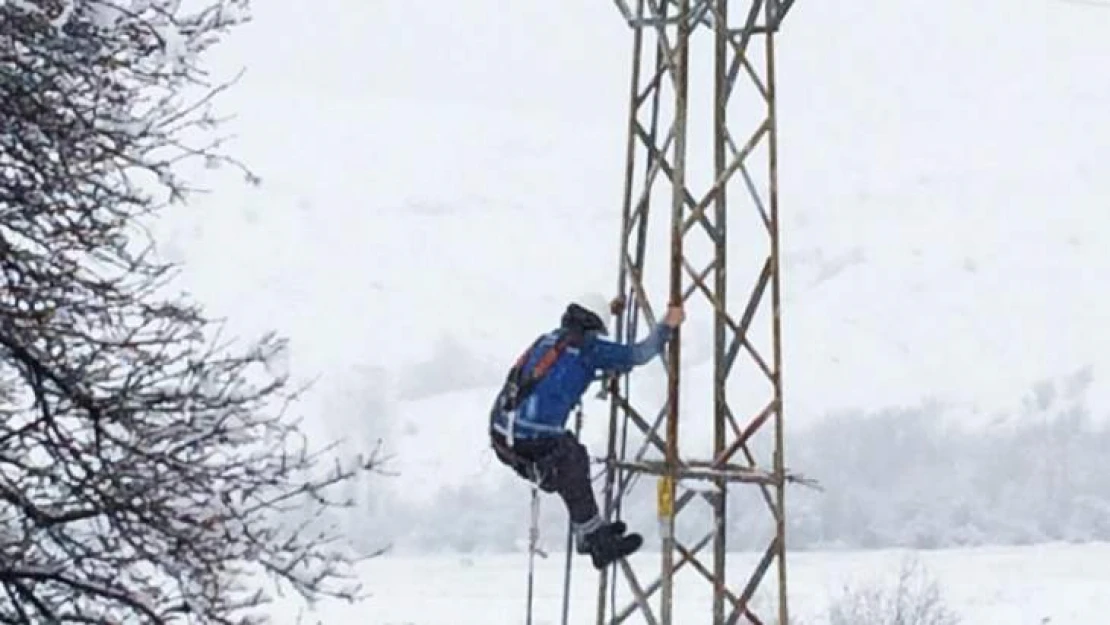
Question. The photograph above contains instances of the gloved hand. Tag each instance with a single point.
(675, 316)
(616, 306)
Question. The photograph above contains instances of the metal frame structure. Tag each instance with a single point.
(661, 161)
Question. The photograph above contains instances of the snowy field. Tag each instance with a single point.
(1054, 584)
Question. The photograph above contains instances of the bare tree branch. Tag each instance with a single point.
(149, 471)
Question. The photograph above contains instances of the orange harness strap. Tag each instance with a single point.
(517, 390)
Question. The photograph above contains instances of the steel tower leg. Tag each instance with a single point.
(706, 183)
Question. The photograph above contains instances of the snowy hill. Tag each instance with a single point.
(437, 184)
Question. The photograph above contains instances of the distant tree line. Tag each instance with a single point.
(909, 477)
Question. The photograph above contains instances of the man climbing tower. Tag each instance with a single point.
(528, 420)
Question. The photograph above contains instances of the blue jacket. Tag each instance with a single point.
(544, 412)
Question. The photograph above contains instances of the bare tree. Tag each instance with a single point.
(148, 471)
(914, 599)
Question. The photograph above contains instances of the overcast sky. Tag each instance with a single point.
(954, 152)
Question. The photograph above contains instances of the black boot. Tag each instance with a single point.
(606, 546)
(616, 528)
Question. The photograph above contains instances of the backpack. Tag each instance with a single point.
(517, 388)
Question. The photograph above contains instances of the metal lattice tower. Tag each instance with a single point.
(701, 65)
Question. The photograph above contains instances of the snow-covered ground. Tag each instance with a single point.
(1043, 585)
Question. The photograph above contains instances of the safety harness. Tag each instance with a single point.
(518, 387)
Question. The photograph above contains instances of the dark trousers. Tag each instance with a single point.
(560, 463)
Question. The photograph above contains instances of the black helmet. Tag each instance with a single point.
(580, 320)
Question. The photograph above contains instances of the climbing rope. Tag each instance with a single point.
(534, 537)
(533, 542)
(570, 534)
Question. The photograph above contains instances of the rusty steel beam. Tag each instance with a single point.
(662, 172)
